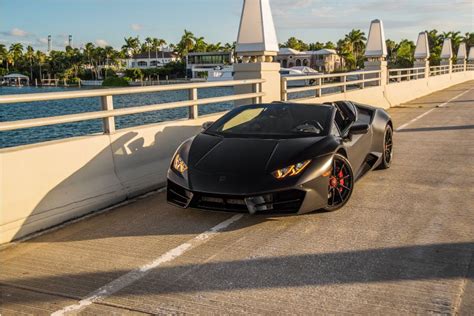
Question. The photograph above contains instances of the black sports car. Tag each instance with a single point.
(281, 158)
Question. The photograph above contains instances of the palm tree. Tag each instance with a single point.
(148, 45)
(469, 39)
(89, 49)
(186, 44)
(391, 50)
(158, 43)
(131, 46)
(109, 53)
(215, 47)
(200, 45)
(356, 40)
(30, 54)
(3, 53)
(41, 59)
(15, 53)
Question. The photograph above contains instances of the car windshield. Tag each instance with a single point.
(274, 120)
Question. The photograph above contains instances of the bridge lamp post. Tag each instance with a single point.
(257, 45)
(470, 59)
(376, 52)
(462, 56)
(447, 54)
(422, 53)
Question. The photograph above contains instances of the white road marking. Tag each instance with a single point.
(428, 112)
(137, 274)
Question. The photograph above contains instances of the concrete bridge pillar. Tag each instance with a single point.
(447, 54)
(376, 53)
(470, 59)
(257, 45)
(461, 58)
(422, 53)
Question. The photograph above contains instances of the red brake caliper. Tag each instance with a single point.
(341, 179)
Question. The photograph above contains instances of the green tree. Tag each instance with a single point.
(186, 43)
(3, 54)
(132, 45)
(30, 55)
(217, 47)
(391, 51)
(295, 43)
(329, 45)
(200, 45)
(316, 46)
(356, 44)
(15, 53)
(405, 54)
(469, 39)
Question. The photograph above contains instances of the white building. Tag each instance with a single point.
(203, 64)
(152, 60)
(324, 60)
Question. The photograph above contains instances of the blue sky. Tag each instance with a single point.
(109, 21)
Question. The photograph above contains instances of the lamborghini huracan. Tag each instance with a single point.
(281, 158)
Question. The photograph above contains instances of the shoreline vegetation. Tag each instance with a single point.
(92, 62)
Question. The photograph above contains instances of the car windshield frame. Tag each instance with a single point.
(325, 116)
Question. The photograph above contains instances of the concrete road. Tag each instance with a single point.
(403, 245)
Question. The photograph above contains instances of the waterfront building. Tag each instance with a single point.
(323, 60)
(204, 64)
(151, 60)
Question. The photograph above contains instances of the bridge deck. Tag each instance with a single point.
(404, 244)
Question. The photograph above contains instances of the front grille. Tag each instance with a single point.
(281, 202)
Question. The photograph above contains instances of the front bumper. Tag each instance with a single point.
(296, 200)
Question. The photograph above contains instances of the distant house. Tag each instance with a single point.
(197, 63)
(152, 60)
(324, 60)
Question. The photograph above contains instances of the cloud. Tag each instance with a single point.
(136, 27)
(16, 32)
(101, 43)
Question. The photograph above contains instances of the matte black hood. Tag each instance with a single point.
(239, 156)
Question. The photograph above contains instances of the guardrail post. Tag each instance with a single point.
(344, 81)
(284, 87)
(319, 91)
(257, 88)
(193, 109)
(108, 122)
(362, 85)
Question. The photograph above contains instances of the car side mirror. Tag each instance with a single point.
(206, 125)
(359, 129)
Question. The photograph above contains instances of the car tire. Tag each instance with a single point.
(341, 183)
(387, 148)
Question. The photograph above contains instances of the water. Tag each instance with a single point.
(23, 111)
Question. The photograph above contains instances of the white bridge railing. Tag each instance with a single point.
(439, 70)
(458, 67)
(108, 113)
(405, 74)
(332, 83)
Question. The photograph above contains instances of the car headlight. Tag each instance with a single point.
(292, 170)
(179, 165)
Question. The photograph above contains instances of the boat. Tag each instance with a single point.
(299, 71)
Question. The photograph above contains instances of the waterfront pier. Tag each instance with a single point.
(85, 227)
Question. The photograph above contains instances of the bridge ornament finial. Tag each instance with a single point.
(470, 59)
(447, 50)
(462, 53)
(422, 51)
(376, 48)
(257, 40)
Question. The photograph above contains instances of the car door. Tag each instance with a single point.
(357, 146)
